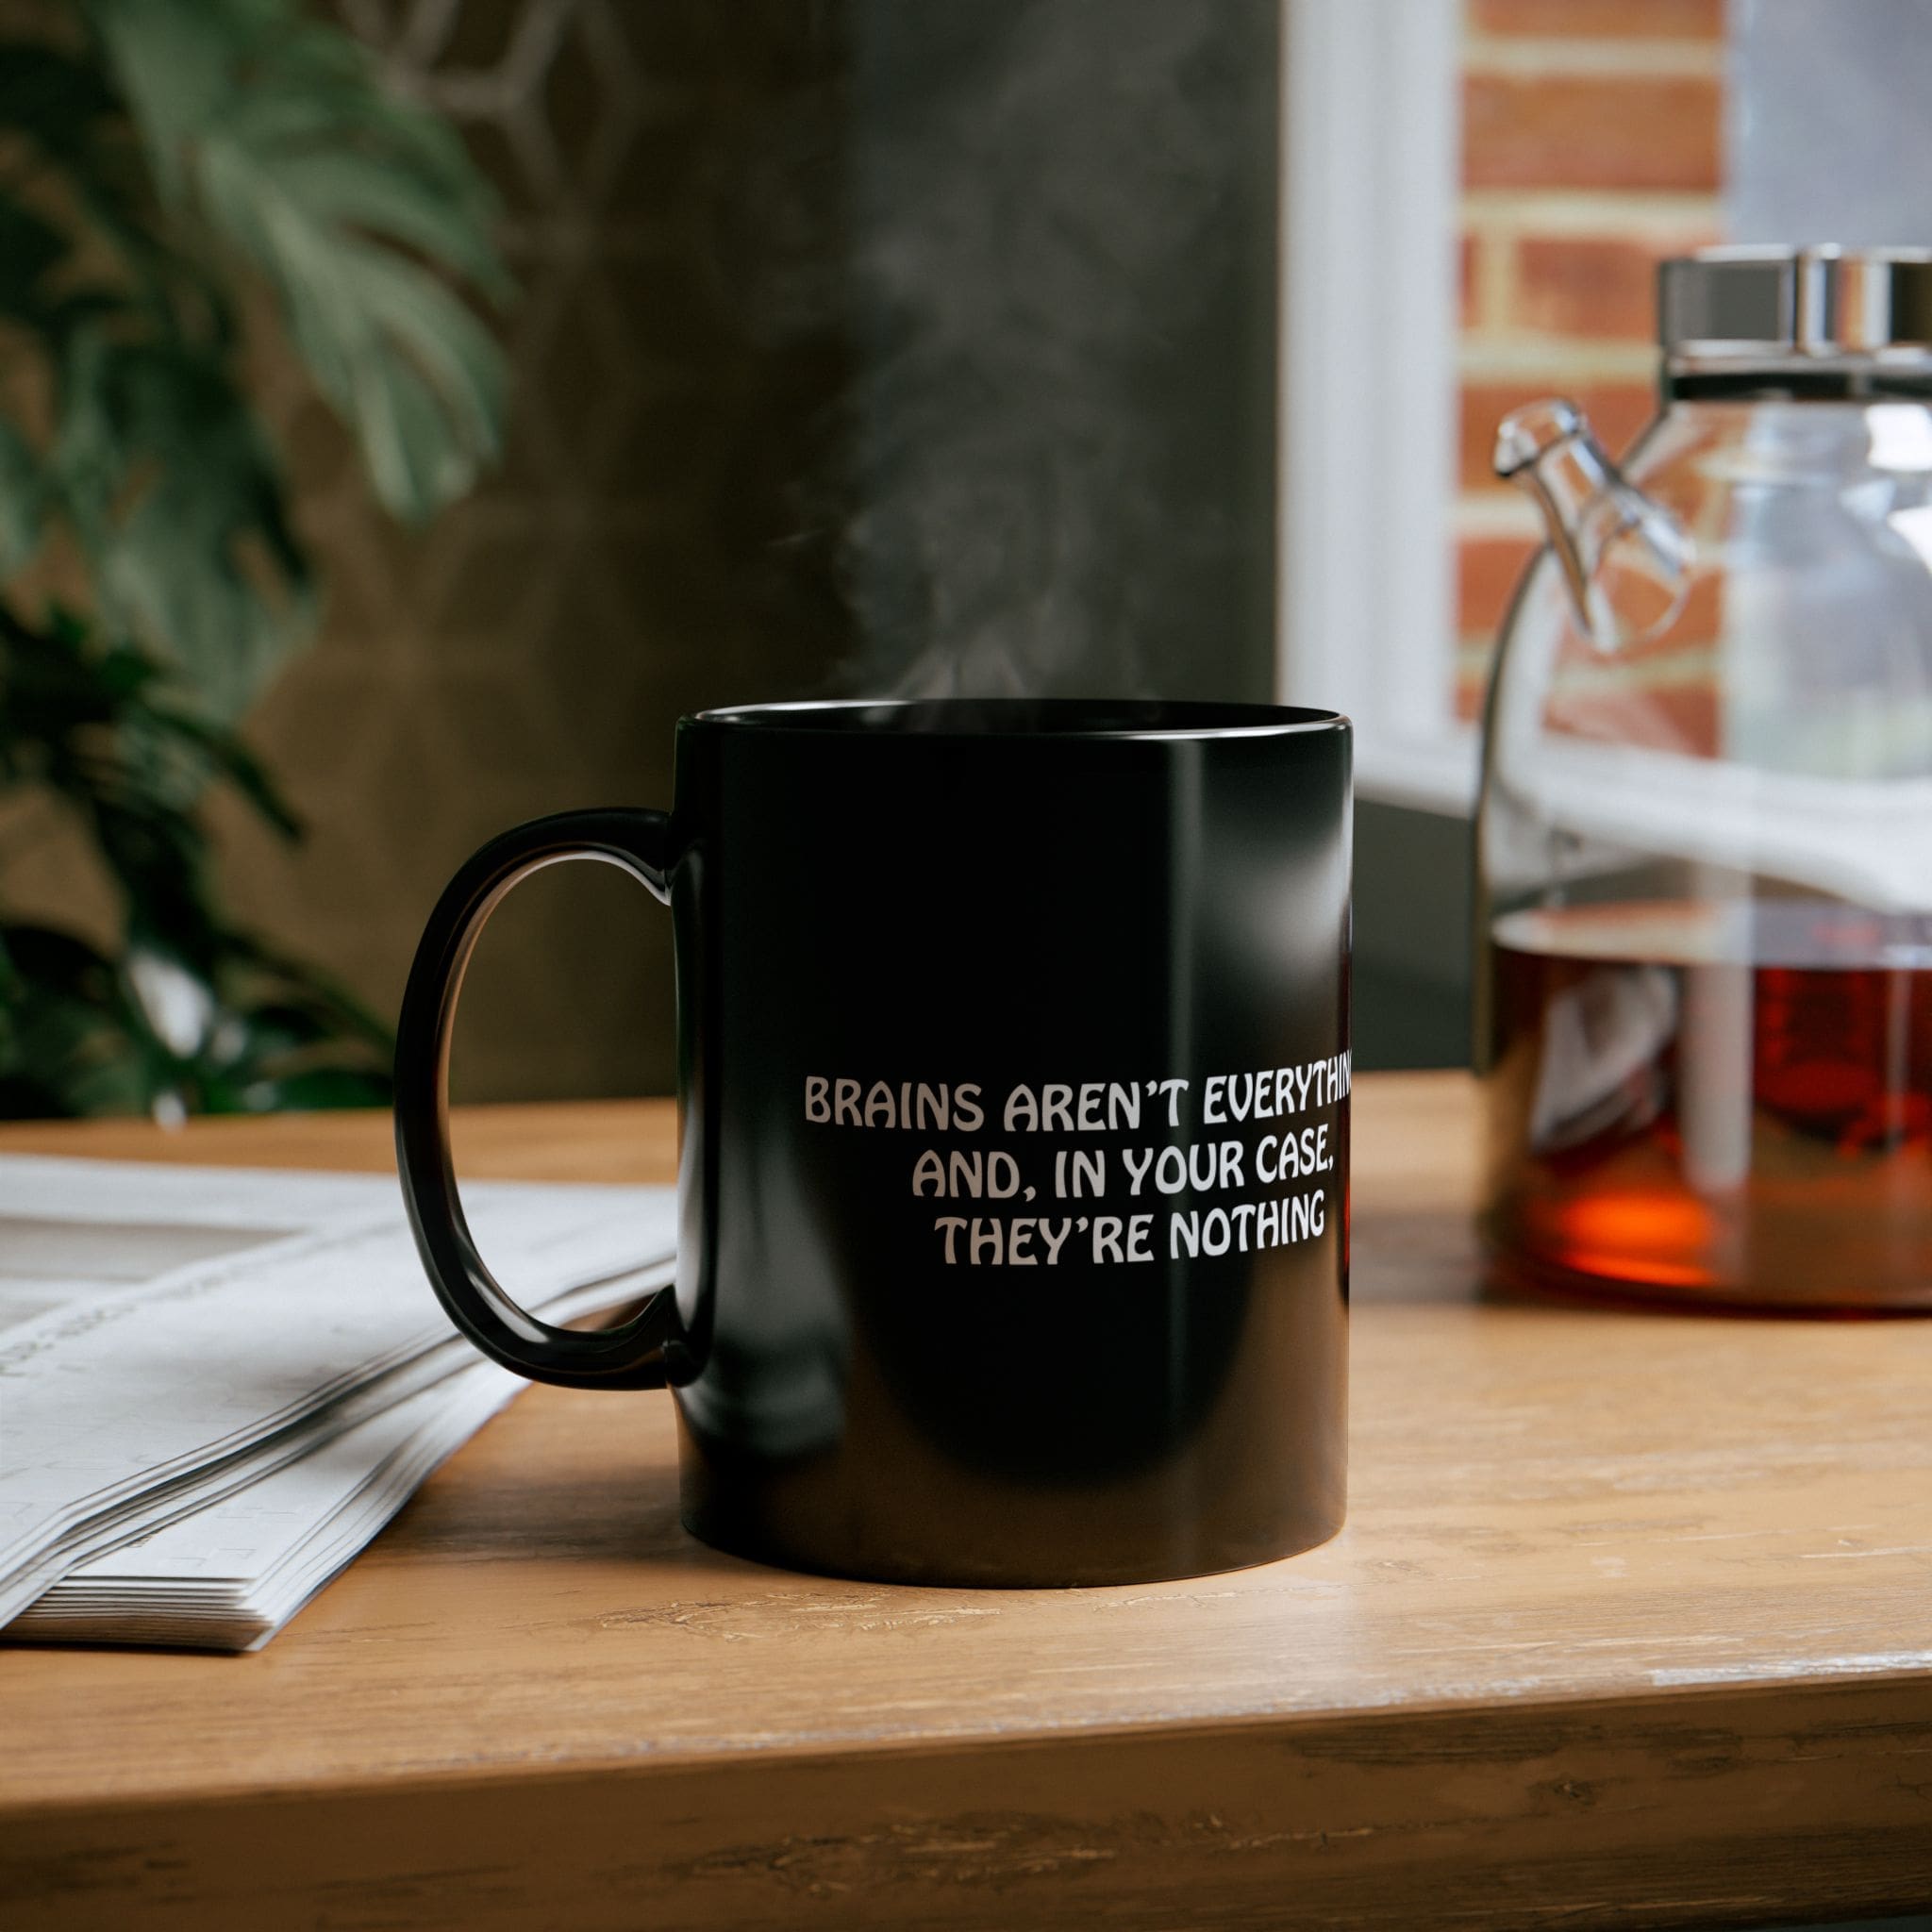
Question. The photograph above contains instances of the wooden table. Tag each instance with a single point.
(1631, 1625)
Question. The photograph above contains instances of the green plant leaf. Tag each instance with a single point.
(66, 1049)
(357, 205)
(291, 981)
(29, 248)
(167, 149)
(21, 500)
(365, 191)
(52, 97)
(63, 109)
(177, 502)
(228, 758)
(174, 65)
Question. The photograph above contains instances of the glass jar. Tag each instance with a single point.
(1704, 837)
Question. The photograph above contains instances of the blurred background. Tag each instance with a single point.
(840, 346)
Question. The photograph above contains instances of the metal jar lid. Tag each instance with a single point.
(1783, 305)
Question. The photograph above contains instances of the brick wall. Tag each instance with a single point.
(1593, 142)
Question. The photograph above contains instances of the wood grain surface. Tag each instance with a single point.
(1631, 1625)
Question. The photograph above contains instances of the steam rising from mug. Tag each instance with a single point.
(1056, 451)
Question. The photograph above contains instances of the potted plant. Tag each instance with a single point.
(172, 173)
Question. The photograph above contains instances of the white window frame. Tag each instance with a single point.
(1370, 154)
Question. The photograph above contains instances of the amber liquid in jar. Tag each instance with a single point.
(1720, 1104)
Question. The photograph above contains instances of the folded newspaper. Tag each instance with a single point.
(216, 1385)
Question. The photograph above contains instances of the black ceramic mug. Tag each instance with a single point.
(1013, 1182)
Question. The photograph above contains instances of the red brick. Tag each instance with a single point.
(1617, 410)
(1575, 130)
(1607, 19)
(1676, 718)
(1465, 280)
(1702, 619)
(1587, 287)
(1487, 570)
(1696, 628)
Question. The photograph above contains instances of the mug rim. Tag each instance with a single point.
(1127, 718)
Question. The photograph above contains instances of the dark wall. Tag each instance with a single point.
(863, 345)
(1063, 258)
(1412, 947)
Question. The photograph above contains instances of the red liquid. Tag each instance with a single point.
(1714, 1103)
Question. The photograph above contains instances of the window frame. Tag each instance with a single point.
(1371, 160)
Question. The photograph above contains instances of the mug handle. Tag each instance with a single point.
(628, 1357)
